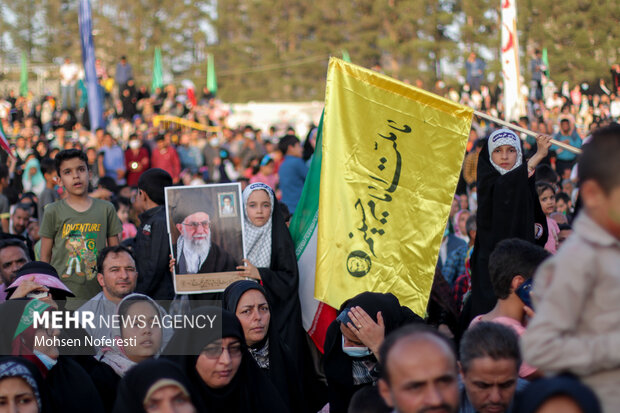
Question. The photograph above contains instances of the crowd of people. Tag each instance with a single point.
(522, 313)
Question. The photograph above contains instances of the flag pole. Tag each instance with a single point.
(526, 131)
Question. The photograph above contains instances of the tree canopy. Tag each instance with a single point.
(269, 50)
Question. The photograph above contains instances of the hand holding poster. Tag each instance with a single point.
(205, 226)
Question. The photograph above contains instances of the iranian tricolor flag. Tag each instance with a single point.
(316, 316)
(4, 143)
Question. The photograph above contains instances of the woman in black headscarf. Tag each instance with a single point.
(154, 382)
(33, 392)
(248, 301)
(352, 343)
(218, 365)
(557, 394)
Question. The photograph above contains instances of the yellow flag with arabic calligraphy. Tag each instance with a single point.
(392, 155)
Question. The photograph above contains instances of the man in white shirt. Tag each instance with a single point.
(68, 80)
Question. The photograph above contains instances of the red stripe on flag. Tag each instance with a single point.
(322, 319)
(4, 143)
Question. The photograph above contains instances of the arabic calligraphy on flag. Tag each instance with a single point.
(391, 161)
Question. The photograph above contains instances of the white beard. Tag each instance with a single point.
(194, 251)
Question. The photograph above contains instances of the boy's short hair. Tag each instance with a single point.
(153, 182)
(512, 257)
(286, 141)
(47, 166)
(67, 154)
(546, 174)
(562, 196)
(599, 159)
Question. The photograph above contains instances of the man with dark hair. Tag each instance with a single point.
(489, 367)
(13, 256)
(151, 245)
(419, 371)
(512, 263)
(292, 171)
(567, 134)
(117, 276)
(20, 219)
(576, 328)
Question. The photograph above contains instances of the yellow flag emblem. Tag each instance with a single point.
(392, 154)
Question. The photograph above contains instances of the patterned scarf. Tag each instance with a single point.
(261, 355)
(14, 369)
(257, 240)
(504, 137)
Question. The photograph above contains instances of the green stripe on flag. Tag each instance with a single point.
(305, 219)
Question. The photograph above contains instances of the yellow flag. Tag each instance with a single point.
(392, 154)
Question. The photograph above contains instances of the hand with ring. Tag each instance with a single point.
(371, 334)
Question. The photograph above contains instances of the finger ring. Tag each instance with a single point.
(358, 327)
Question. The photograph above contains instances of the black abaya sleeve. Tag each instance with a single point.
(508, 207)
(281, 282)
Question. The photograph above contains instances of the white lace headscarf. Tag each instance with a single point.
(504, 137)
(257, 240)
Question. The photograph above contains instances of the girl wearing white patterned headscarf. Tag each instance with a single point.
(257, 221)
(505, 150)
(271, 258)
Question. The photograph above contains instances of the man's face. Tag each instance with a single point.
(565, 126)
(491, 384)
(423, 377)
(21, 218)
(295, 150)
(195, 227)
(12, 258)
(119, 276)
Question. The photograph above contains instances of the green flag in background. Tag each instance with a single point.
(23, 78)
(545, 62)
(345, 56)
(158, 77)
(211, 79)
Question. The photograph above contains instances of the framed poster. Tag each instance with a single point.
(205, 227)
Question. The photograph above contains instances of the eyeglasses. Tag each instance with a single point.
(214, 352)
(195, 225)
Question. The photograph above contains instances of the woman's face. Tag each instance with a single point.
(547, 201)
(16, 396)
(259, 208)
(463, 221)
(169, 399)
(253, 313)
(505, 156)
(148, 335)
(42, 335)
(217, 371)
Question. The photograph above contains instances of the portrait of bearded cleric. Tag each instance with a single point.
(202, 240)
